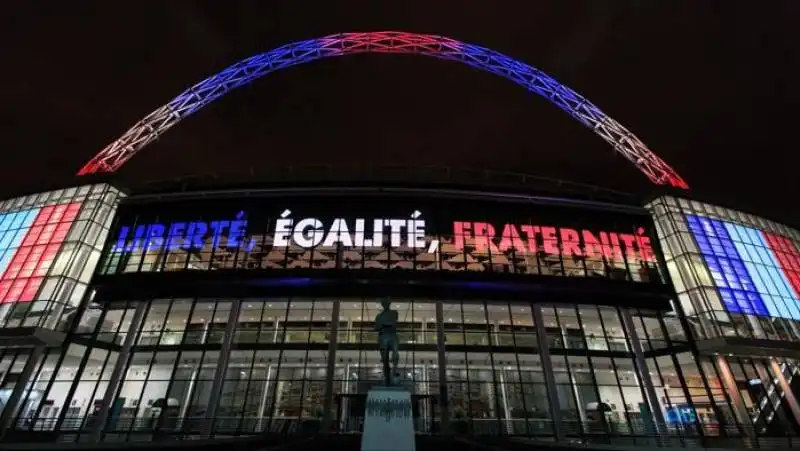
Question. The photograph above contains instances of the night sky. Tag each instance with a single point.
(711, 86)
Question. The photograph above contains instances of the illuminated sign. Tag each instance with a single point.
(306, 233)
(408, 232)
(185, 235)
(525, 238)
(312, 232)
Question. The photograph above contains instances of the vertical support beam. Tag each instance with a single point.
(12, 405)
(582, 421)
(547, 369)
(96, 433)
(777, 372)
(222, 364)
(444, 411)
(739, 409)
(506, 410)
(187, 401)
(579, 401)
(644, 370)
(262, 405)
(333, 343)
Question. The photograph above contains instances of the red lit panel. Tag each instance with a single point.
(31, 288)
(43, 215)
(5, 285)
(60, 233)
(58, 213)
(14, 293)
(32, 235)
(72, 212)
(47, 234)
(38, 250)
(12, 272)
(29, 265)
(47, 259)
(788, 257)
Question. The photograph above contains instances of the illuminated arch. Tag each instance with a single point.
(154, 124)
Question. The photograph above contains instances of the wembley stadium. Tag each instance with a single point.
(527, 307)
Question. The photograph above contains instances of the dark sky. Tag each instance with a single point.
(711, 86)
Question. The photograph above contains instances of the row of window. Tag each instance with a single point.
(196, 321)
(595, 393)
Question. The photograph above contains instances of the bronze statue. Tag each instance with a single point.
(386, 325)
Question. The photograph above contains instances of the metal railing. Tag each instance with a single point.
(526, 431)
(79, 429)
(695, 435)
(419, 174)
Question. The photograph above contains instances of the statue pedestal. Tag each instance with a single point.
(388, 420)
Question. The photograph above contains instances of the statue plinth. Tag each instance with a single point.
(388, 420)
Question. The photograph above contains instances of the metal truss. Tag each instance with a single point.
(154, 124)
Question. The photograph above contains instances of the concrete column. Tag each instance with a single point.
(116, 374)
(739, 409)
(444, 411)
(333, 343)
(787, 389)
(222, 363)
(12, 405)
(547, 369)
(644, 370)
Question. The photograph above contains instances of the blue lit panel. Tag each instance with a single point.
(728, 268)
(756, 259)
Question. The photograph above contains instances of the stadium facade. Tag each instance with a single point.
(239, 311)
(252, 310)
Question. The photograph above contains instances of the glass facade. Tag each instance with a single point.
(277, 363)
(49, 247)
(50, 244)
(129, 366)
(736, 279)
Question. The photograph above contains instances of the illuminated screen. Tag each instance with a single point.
(372, 232)
(29, 242)
(756, 272)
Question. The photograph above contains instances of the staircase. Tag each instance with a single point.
(771, 403)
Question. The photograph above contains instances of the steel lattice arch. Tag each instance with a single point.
(111, 158)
